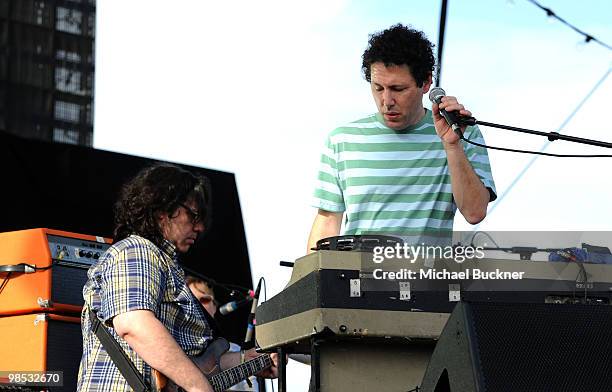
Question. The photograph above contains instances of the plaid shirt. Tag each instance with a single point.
(135, 274)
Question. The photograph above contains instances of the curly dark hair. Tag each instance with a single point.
(160, 188)
(399, 45)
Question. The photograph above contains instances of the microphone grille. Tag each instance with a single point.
(435, 94)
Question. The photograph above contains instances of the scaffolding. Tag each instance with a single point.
(47, 69)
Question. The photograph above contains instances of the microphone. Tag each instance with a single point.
(435, 96)
(231, 306)
(252, 321)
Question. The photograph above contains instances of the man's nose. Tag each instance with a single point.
(388, 99)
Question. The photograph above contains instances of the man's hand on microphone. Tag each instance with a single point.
(444, 131)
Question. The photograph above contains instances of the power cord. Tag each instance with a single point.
(489, 237)
(229, 287)
(552, 136)
(5, 281)
(21, 268)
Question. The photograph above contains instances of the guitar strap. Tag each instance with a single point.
(122, 361)
(212, 323)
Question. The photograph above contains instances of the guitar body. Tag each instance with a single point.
(206, 362)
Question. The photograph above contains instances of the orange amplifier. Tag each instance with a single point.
(43, 270)
(42, 342)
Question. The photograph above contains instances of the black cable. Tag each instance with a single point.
(5, 282)
(229, 287)
(21, 268)
(582, 272)
(552, 136)
(565, 122)
(534, 152)
(232, 287)
(585, 279)
(487, 234)
(9, 271)
(587, 37)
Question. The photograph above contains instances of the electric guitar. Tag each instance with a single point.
(207, 363)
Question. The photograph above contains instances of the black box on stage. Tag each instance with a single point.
(523, 347)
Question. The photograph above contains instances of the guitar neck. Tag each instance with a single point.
(230, 377)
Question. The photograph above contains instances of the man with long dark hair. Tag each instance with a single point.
(138, 291)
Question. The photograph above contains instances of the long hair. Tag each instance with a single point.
(160, 188)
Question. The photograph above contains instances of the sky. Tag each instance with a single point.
(253, 88)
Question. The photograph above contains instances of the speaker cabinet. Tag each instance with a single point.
(42, 342)
(523, 347)
(61, 260)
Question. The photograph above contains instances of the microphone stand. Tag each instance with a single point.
(251, 326)
(552, 136)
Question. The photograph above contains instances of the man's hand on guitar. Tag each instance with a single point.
(271, 372)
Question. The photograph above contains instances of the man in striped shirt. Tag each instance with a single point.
(401, 171)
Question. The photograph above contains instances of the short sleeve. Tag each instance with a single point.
(133, 281)
(479, 159)
(328, 194)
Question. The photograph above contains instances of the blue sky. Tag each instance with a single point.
(254, 87)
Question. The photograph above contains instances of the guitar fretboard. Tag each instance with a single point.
(230, 377)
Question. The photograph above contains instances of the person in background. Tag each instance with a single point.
(205, 294)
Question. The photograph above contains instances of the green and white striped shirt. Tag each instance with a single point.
(393, 182)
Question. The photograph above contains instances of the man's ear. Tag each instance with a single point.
(162, 220)
(427, 84)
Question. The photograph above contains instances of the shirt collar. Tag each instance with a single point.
(427, 118)
(169, 248)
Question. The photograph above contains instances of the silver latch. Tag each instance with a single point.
(44, 303)
(40, 318)
(404, 291)
(454, 292)
(355, 287)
